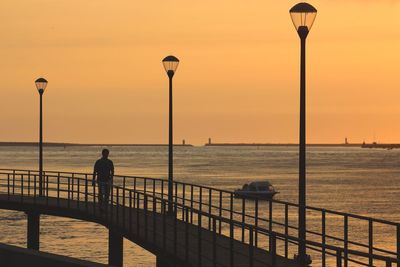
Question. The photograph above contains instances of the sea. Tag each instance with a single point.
(347, 179)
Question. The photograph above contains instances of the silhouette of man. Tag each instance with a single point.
(104, 170)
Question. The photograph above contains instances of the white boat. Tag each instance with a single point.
(256, 190)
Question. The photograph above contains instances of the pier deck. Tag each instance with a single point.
(201, 226)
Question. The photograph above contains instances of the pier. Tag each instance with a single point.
(208, 226)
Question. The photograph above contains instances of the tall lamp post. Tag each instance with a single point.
(41, 84)
(170, 64)
(303, 16)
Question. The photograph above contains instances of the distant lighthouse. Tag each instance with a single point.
(209, 141)
(345, 141)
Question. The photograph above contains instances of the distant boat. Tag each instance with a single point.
(256, 190)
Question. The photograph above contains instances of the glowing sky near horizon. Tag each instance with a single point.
(238, 78)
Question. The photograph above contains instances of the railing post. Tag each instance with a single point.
(286, 230)
(134, 187)
(339, 258)
(270, 216)
(175, 197)
(187, 235)
(345, 239)
(220, 211)
(137, 214)
(69, 188)
(8, 186)
(162, 190)
(323, 238)
(145, 216)
(22, 188)
(214, 227)
(58, 189)
(175, 240)
(273, 249)
(243, 217)
(154, 188)
(251, 247)
(191, 203)
(117, 203)
(86, 191)
(72, 186)
(34, 188)
(256, 222)
(183, 200)
(154, 217)
(388, 263)
(130, 211)
(13, 182)
(29, 183)
(371, 242)
(46, 177)
(398, 245)
(209, 207)
(231, 238)
(78, 193)
(199, 236)
(200, 199)
(123, 202)
(164, 231)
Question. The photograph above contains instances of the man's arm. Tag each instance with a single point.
(112, 172)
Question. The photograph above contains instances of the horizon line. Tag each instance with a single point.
(29, 143)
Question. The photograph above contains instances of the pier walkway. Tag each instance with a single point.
(207, 227)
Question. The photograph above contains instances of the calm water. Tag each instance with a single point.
(355, 180)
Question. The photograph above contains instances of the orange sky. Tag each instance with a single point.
(238, 80)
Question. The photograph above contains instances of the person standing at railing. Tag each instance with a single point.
(104, 171)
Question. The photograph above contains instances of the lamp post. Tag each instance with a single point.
(41, 84)
(303, 16)
(170, 64)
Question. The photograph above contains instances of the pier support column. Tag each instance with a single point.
(115, 248)
(33, 230)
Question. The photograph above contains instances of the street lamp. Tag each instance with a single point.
(170, 64)
(41, 84)
(303, 16)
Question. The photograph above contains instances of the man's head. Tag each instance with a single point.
(105, 153)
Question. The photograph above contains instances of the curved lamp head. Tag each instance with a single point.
(170, 64)
(303, 16)
(41, 84)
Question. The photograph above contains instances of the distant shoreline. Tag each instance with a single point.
(55, 144)
(281, 144)
(59, 144)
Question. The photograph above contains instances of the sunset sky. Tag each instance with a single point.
(238, 78)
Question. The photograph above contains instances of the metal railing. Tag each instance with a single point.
(267, 225)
